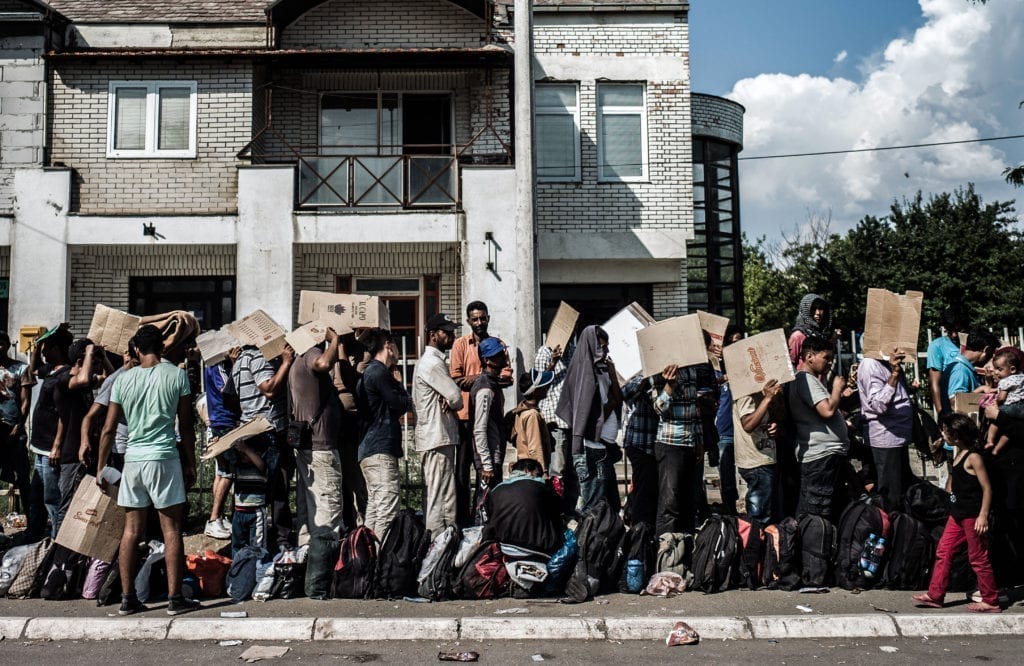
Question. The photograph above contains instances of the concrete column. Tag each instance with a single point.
(264, 263)
(39, 249)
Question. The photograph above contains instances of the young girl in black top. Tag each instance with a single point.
(970, 501)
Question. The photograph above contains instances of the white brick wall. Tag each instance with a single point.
(615, 37)
(206, 184)
(22, 108)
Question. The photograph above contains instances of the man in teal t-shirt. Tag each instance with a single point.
(960, 375)
(157, 471)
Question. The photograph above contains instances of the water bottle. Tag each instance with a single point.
(634, 575)
(877, 554)
(865, 555)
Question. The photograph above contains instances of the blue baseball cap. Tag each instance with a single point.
(490, 347)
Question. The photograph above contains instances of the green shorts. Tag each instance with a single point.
(156, 483)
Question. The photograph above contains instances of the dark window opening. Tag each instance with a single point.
(597, 303)
(210, 299)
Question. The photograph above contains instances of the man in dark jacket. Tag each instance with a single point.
(487, 409)
(524, 511)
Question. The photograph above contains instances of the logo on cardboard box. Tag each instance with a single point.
(336, 309)
(755, 365)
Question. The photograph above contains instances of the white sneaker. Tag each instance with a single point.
(215, 530)
(225, 525)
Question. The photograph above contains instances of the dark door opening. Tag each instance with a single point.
(597, 303)
(426, 124)
(210, 299)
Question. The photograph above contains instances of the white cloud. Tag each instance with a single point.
(840, 57)
(957, 77)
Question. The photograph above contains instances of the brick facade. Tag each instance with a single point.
(204, 185)
(717, 117)
(22, 108)
(670, 37)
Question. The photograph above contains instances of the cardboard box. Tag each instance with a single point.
(967, 403)
(215, 345)
(751, 362)
(260, 330)
(341, 311)
(714, 325)
(622, 344)
(562, 326)
(257, 426)
(307, 336)
(112, 329)
(94, 522)
(676, 341)
(892, 321)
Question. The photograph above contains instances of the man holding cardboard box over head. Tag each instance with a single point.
(960, 375)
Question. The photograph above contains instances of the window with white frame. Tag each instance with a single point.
(622, 132)
(557, 126)
(151, 119)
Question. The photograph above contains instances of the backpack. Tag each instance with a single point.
(401, 553)
(110, 590)
(716, 555)
(910, 554)
(357, 562)
(94, 578)
(149, 573)
(926, 502)
(597, 541)
(435, 577)
(561, 564)
(781, 568)
(818, 543)
(241, 579)
(638, 544)
(484, 576)
(751, 553)
(858, 522)
(35, 564)
(675, 553)
(66, 575)
(321, 559)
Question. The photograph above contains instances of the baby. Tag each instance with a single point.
(1010, 390)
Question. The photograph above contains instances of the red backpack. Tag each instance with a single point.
(484, 575)
(357, 562)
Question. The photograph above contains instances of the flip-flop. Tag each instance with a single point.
(983, 608)
(926, 601)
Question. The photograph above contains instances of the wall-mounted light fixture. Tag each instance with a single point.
(492, 253)
(150, 230)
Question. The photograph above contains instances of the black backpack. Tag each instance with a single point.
(926, 502)
(435, 577)
(781, 568)
(401, 554)
(716, 555)
(356, 565)
(320, 561)
(289, 580)
(818, 543)
(484, 575)
(858, 522)
(910, 554)
(638, 543)
(66, 576)
(110, 591)
(597, 540)
(751, 553)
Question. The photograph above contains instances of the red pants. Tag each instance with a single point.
(954, 535)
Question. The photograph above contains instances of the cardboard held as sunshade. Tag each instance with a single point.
(622, 345)
(892, 321)
(257, 426)
(112, 329)
(562, 326)
(752, 361)
(714, 325)
(257, 329)
(676, 341)
(307, 336)
(343, 312)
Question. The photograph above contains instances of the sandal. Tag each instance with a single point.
(982, 607)
(926, 601)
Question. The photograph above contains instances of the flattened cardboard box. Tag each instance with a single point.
(215, 345)
(752, 361)
(112, 329)
(714, 325)
(622, 345)
(343, 310)
(676, 341)
(307, 336)
(562, 326)
(257, 426)
(892, 321)
(94, 522)
(967, 403)
(260, 330)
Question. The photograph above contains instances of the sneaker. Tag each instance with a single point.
(216, 530)
(178, 605)
(225, 524)
(131, 606)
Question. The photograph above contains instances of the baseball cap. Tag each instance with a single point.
(535, 380)
(441, 322)
(490, 347)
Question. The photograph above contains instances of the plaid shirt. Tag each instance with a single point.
(680, 423)
(642, 427)
(541, 362)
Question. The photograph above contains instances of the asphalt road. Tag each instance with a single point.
(859, 651)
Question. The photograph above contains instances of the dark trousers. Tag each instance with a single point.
(15, 465)
(282, 527)
(562, 465)
(890, 466)
(727, 474)
(71, 474)
(353, 485)
(642, 503)
(463, 463)
(818, 485)
(677, 479)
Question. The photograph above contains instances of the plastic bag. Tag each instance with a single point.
(12, 565)
(211, 570)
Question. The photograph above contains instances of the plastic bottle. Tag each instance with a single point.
(875, 558)
(865, 555)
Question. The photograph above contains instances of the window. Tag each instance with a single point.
(557, 128)
(622, 132)
(411, 301)
(151, 119)
(211, 299)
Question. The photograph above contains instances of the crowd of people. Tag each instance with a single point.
(810, 447)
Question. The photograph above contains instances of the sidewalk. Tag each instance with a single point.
(734, 615)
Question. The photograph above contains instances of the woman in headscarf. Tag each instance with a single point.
(591, 405)
(813, 319)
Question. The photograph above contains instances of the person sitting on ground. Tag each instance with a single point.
(524, 511)
(530, 434)
(1010, 392)
(970, 501)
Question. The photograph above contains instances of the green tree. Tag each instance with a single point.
(767, 290)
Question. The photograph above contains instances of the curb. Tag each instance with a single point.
(518, 628)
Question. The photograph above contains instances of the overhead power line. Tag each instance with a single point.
(881, 148)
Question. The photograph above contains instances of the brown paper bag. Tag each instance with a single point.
(94, 522)
(676, 341)
(112, 329)
(892, 321)
(751, 362)
(562, 326)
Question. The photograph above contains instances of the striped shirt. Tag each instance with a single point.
(249, 371)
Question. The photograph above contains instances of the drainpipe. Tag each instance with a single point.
(527, 293)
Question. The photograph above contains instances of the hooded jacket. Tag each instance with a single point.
(805, 321)
(580, 403)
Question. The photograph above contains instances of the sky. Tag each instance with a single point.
(818, 75)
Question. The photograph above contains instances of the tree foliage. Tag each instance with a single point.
(953, 247)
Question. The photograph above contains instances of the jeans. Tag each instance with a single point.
(384, 491)
(818, 485)
(45, 494)
(677, 481)
(319, 485)
(727, 474)
(955, 534)
(282, 524)
(642, 504)
(764, 501)
(596, 473)
(248, 528)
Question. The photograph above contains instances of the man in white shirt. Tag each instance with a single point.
(437, 399)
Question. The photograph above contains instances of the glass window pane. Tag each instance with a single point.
(622, 139)
(431, 180)
(130, 119)
(174, 119)
(557, 96)
(377, 181)
(556, 146)
(620, 95)
(698, 173)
